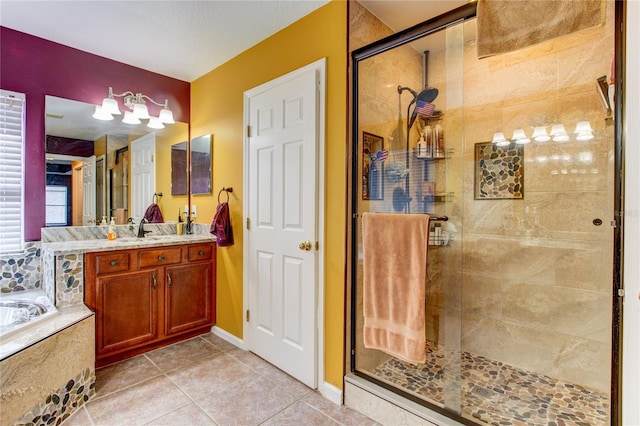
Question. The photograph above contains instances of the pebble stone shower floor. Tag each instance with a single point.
(496, 393)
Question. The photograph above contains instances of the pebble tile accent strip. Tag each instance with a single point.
(21, 271)
(61, 404)
(496, 393)
(69, 278)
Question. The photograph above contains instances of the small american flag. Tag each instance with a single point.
(424, 108)
(380, 155)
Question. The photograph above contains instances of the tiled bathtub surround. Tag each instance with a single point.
(497, 393)
(21, 271)
(49, 378)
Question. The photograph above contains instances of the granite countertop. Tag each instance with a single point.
(93, 245)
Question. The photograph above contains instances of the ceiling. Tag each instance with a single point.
(180, 39)
(183, 39)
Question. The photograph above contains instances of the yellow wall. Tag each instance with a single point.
(217, 108)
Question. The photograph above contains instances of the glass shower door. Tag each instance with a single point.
(410, 129)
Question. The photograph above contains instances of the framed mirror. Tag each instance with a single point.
(201, 165)
(179, 168)
(89, 167)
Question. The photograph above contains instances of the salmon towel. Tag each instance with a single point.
(221, 226)
(394, 277)
(505, 26)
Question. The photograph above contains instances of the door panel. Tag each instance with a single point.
(282, 186)
(188, 297)
(89, 192)
(143, 174)
(126, 310)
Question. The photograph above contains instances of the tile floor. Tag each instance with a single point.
(205, 381)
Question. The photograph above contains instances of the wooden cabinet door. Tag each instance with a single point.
(126, 310)
(188, 297)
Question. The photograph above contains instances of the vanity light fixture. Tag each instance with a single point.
(137, 103)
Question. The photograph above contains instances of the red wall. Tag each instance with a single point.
(38, 67)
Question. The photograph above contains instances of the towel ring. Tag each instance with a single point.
(227, 191)
(156, 195)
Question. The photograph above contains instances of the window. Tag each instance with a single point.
(11, 170)
(56, 205)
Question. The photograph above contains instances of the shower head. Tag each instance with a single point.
(427, 96)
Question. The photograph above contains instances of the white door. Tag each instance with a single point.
(282, 185)
(89, 191)
(143, 175)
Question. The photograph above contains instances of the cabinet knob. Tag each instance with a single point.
(168, 280)
(155, 282)
(201, 253)
(114, 262)
(161, 257)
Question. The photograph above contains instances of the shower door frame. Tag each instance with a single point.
(431, 26)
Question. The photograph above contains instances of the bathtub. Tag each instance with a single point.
(23, 309)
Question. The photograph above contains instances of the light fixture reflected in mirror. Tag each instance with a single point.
(499, 139)
(583, 131)
(558, 133)
(137, 103)
(540, 134)
(520, 137)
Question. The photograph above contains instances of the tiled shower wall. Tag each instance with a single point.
(537, 273)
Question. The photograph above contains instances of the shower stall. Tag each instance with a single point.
(513, 157)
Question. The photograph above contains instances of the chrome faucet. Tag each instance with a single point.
(141, 231)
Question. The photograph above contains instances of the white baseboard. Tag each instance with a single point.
(330, 392)
(225, 335)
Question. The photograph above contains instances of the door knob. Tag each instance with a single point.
(305, 245)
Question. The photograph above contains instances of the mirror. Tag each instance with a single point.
(201, 165)
(89, 166)
(179, 168)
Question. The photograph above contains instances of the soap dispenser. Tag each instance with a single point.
(111, 233)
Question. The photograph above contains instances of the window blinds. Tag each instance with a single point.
(11, 170)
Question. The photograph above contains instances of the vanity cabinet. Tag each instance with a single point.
(149, 297)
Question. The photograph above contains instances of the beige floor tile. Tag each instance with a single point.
(181, 354)
(123, 374)
(339, 413)
(300, 414)
(79, 418)
(248, 358)
(200, 379)
(137, 404)
(245, 402)
(189, 415)
(219, 342)
(282, 379)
